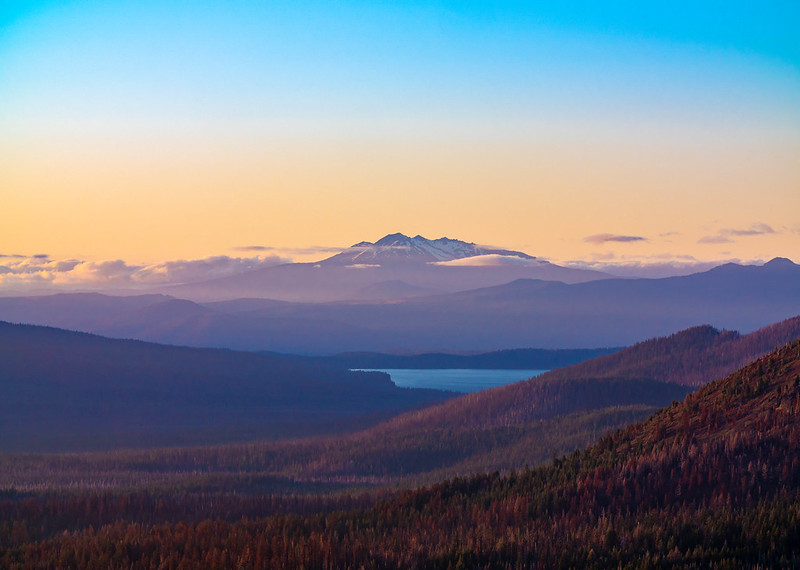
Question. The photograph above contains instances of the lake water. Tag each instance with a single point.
(459, 380)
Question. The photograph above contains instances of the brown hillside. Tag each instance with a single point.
(508, 427)
(713, 481)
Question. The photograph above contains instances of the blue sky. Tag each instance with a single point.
(528, 125)
(356, 61)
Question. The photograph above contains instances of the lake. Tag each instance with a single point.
(457, 380)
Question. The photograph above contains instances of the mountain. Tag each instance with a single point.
(692, 357)
(688, 358)
(398, 248)
(440, 265)
(522, 313)
(509, 427)
(72, 391)
(547, 314)
(394, 289)
(72, 310)
(713, 481)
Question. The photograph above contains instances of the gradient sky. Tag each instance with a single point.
(598, 132)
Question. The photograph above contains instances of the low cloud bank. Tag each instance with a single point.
(490, 260)
(19, 273)
(654, 266)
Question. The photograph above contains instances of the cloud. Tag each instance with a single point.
(605, 238)
(373, 247)
(183, 271)
(361, 266)
(314, 249)
(755, 230)
(26, 273)
(653, 266)
(725, 234)
(310, 250)
(103, 272)
(719, 238)
(490, 260)
(253, 248)
(20, 264)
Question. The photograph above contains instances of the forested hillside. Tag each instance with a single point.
(687, 358)
(64, 390)
(692, 357)
(714, 480)
(504, 428)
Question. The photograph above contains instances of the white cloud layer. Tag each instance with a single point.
(654, 266)
(490, 260)
(21, 273)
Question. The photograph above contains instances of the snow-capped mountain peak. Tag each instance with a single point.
(399, 248)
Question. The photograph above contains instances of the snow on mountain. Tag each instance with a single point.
(399, 248)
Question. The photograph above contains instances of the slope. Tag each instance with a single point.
(66, 390)
(713, 480)
(399, 248)
(710, 482)
(504, 428)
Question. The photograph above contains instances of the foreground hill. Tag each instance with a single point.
(652, 372)
(713, 481)
(63, 390)
(509, 427)
(521, 313)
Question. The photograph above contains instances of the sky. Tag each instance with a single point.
(164, 138)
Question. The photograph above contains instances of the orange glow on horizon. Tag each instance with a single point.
(149, 203)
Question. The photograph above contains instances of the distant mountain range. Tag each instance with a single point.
(522, 313)
(394, 267)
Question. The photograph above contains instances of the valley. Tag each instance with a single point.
(111, 435)
(509, 427)
(708, 480)
(399, 285)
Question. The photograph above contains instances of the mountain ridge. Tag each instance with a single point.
(65, 390)
(521, 313)
(712, 481)
(503, 428)
(399, 248)
(444, 264)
